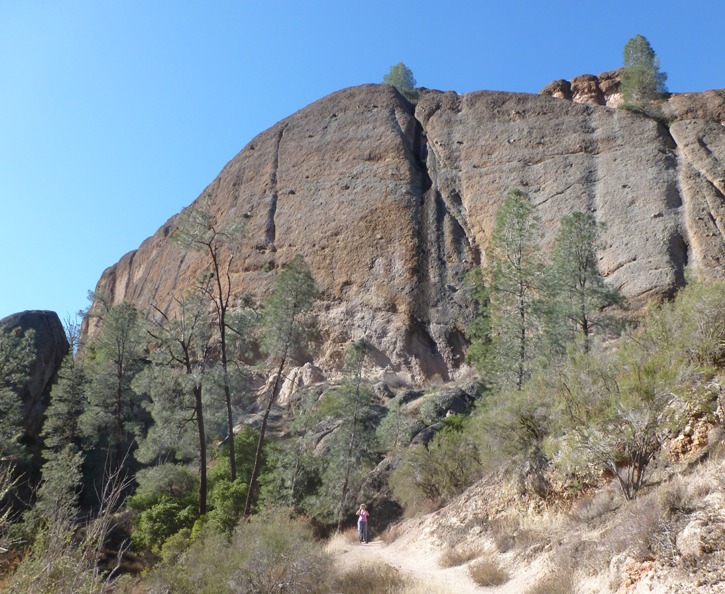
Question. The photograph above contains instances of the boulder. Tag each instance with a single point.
(51, 346)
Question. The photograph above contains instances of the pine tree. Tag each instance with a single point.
(642, 81)
(17, 352)
(577, 292)
(200, 230)
(181, 358)
(515, 280)
(352, 448)
(401, 77)
(286, 330)
(114, 412)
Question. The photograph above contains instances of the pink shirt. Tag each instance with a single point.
(363, 516)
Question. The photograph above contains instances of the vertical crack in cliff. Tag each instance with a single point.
(270, 231)
(446, 252)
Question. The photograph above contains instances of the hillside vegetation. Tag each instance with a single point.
(607, 461)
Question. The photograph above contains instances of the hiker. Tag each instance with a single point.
(362, 523)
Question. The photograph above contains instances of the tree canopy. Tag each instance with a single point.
(642, 80)
(401, 77)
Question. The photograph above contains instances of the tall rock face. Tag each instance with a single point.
(391, 204)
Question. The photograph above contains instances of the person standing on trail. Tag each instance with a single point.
(362, 523)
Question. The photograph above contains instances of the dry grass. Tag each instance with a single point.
(340, 541)
(371, 577)
(391, 533)
(595, 506)
(418, 587)
(557, 583)
(458, 556)
(516, 532)
(674, 497)
(488, 572)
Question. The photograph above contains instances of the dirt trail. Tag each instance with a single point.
(420, 563)
(417, 557)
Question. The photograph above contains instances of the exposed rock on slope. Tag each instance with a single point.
(391, 204)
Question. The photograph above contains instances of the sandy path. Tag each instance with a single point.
(417, 557)
(420, 562)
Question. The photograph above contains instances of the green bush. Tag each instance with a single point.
(271, 553)
(157, 523)
(432, 475)
(227, 499)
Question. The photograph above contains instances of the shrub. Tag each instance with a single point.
(487, 572)
(435, 473)
(268, 554)
(674, 497)
(157, 523)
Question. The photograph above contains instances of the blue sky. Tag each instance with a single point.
(114, 115)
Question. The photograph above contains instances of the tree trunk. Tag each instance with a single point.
(260, 441)
(202, 450)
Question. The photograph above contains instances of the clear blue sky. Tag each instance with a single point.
(114, 115)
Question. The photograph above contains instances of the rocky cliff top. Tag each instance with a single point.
(391, 204)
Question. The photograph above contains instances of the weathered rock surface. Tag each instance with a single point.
(391, 204)
(587, 88)
(51, 346)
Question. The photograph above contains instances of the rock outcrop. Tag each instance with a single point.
(391, 204)
(588, 88)
(51, 346)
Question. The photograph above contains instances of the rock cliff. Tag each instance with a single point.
(391, 204)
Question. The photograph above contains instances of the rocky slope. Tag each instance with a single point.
(391, 204)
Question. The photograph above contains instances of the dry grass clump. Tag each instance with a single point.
(674, 498)
(371, 577)
(458, 556)
(391, 533)
(557, 583)
(488, 572)
(340, 541)
(595, 506)
(511, 531)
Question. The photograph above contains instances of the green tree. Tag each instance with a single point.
(401, 77)
(63, 439)
(515, 280)
(642, 81)
(397, 427)
(352, 446)
(286, 331)
(294, 468)
(67, 402)
(198, 229)
(17, 352)
(576, 290)
(181, 356)
(114, 413)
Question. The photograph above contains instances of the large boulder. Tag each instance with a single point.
(51, 346)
